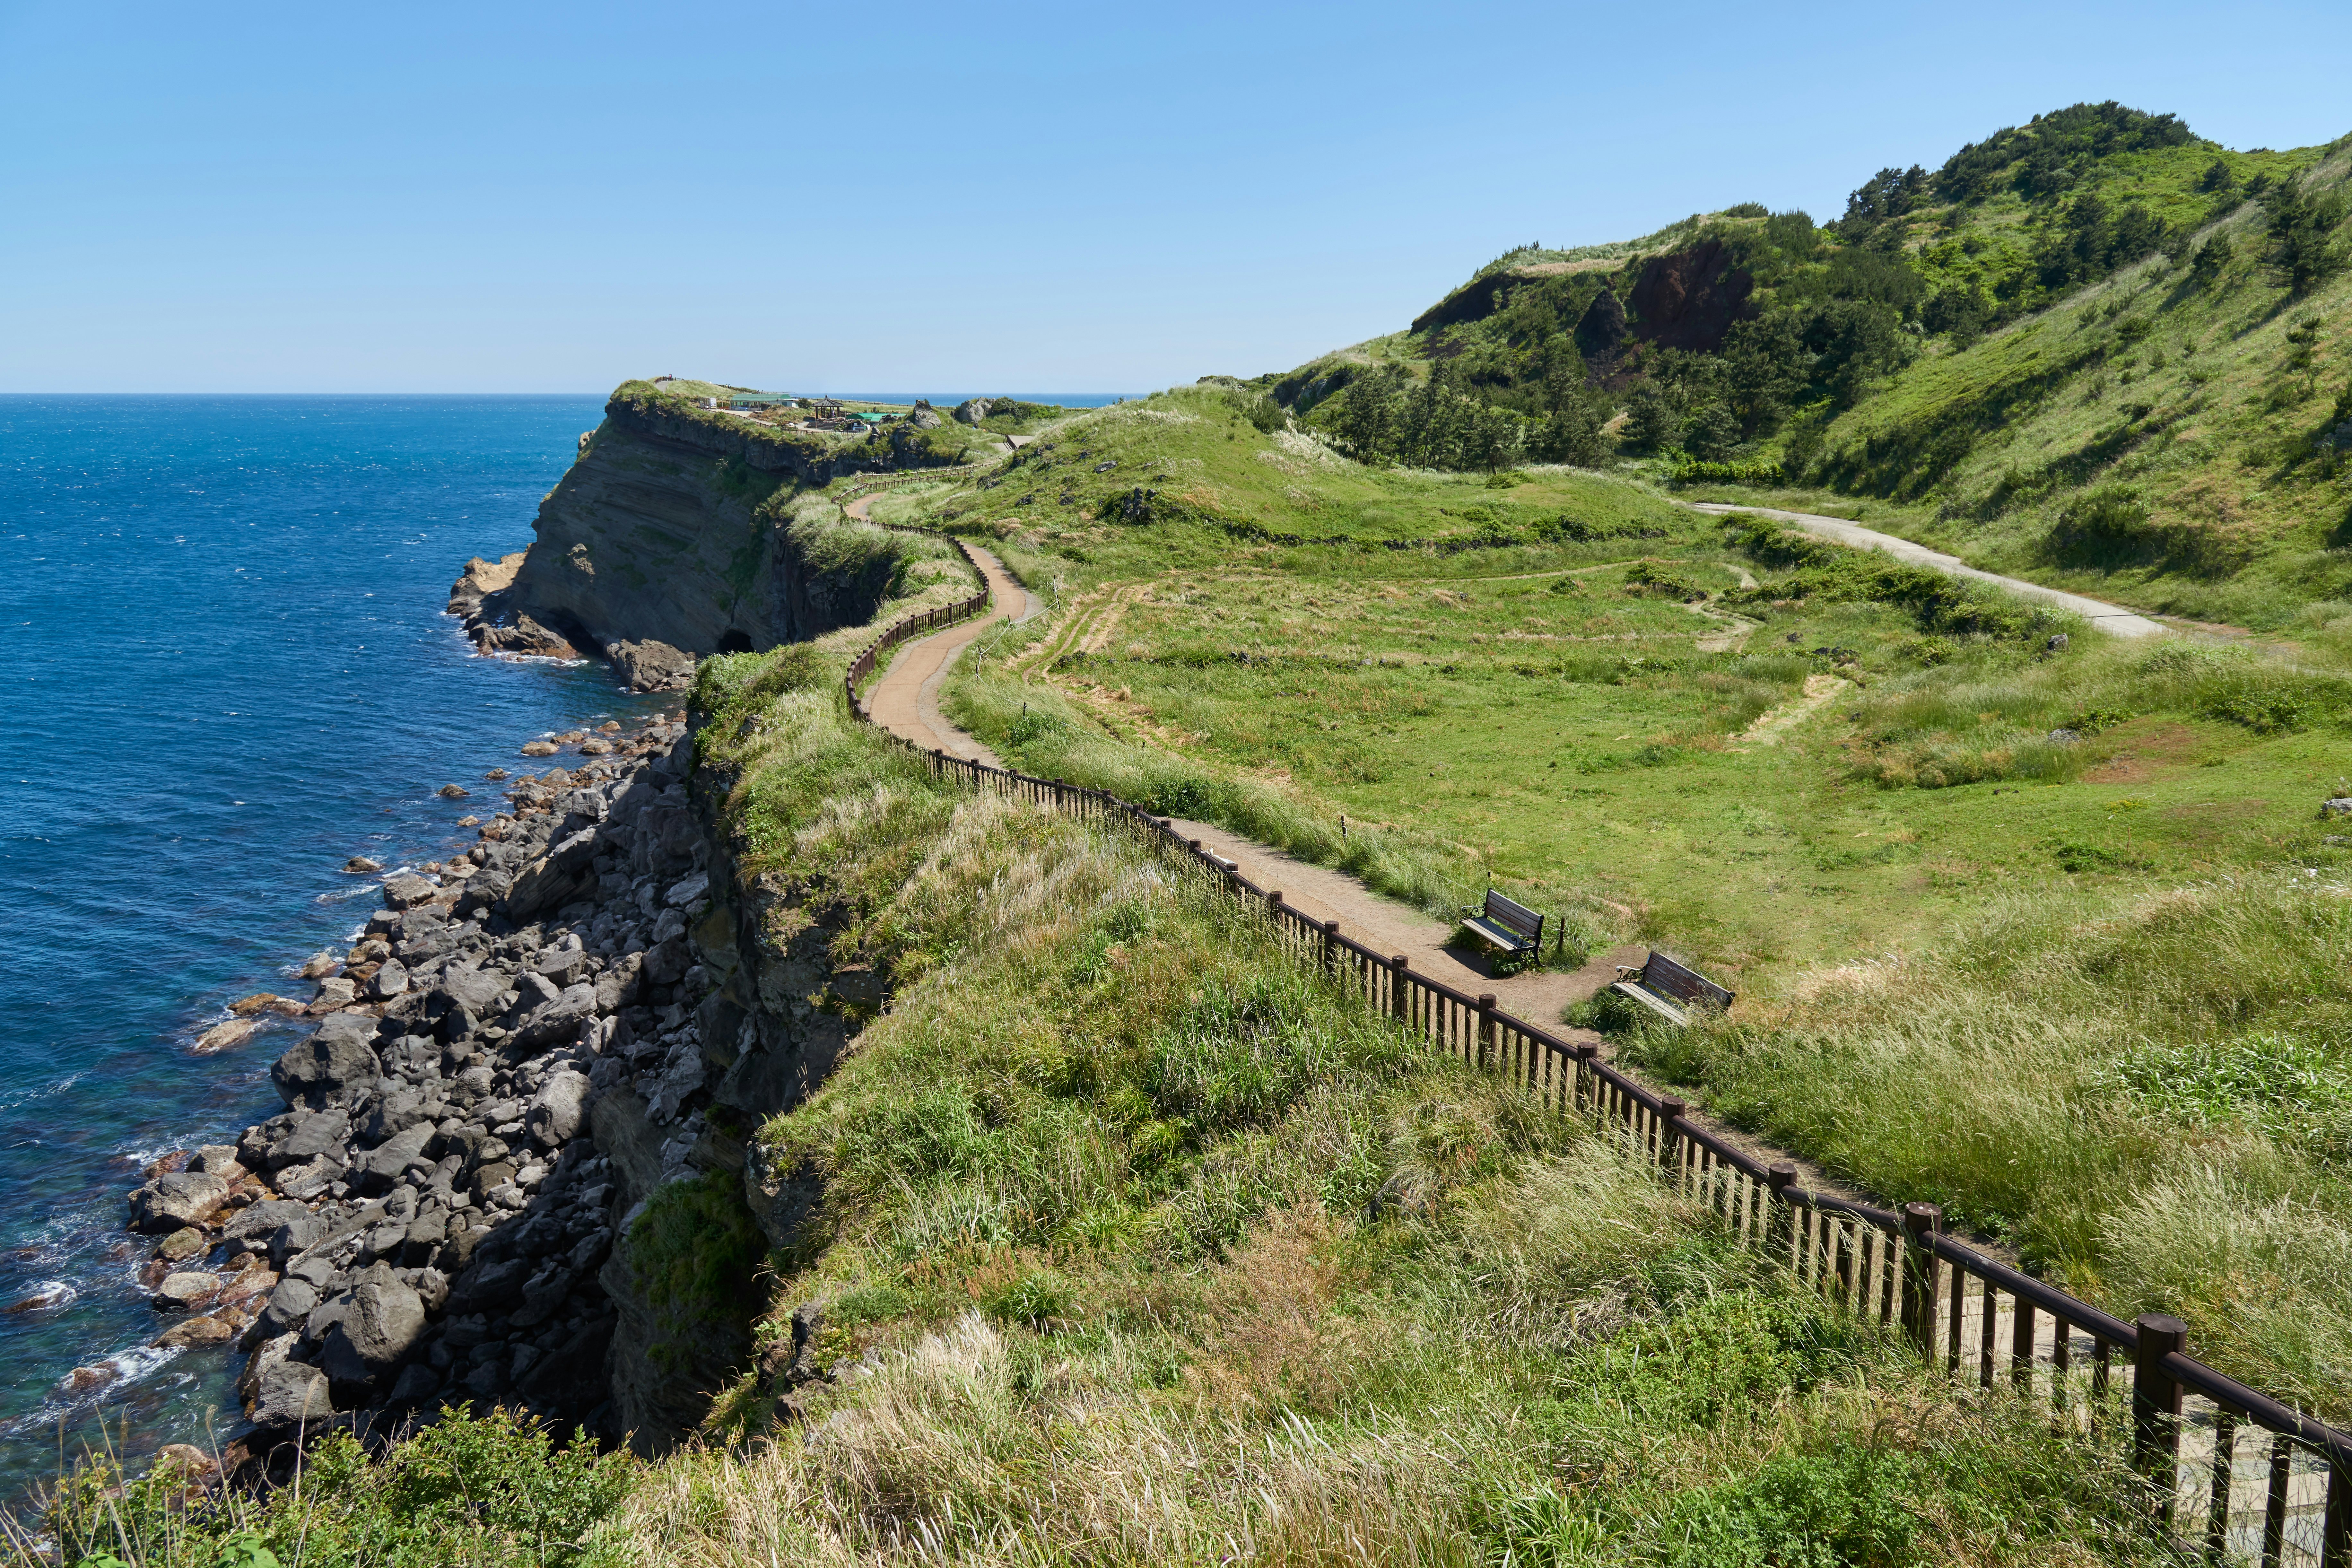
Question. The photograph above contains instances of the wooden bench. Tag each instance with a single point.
(1511, 928)
(1668, 989)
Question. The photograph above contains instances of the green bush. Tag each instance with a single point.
(489, 1491)
(2109, 527)
(1846, 1510)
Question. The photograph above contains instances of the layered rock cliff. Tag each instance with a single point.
(671, 537)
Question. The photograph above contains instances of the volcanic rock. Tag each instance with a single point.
(325, 1069)
(176, 1200)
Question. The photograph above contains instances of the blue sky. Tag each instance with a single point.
(532, 197)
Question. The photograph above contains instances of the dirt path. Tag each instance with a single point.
(906, 700)
(2108, 617)
(1320, 893)
(1819, 691)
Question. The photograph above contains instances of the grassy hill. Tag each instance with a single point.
(2097, 350)
(1132, 1241)
(1128, 1240)
(1825, 778)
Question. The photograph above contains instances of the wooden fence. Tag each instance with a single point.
(2240, 1475)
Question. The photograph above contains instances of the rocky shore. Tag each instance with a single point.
(431, 1220)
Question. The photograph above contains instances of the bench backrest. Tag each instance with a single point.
(1663, 976)
(1513, 916)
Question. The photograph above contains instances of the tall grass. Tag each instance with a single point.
(1038, 730)
(1135, 1243)
(2150, 1095)
(1151, 1247)
(1982, 720)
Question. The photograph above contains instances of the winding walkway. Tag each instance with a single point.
(904, 699)
(2112, 618)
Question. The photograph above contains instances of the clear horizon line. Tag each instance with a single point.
(492, 392)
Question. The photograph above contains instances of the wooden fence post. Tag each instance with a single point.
(1585, 1051)
(1920, 1224)
(2335, 1525)
(1670, 1137)
(1781, 1229)
(1485, 1028)
(1331, 949)
(1396, 987)
(2156, 1405)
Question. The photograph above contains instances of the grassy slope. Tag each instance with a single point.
(1136, 1243)
(2194, 397)
(1514, 711)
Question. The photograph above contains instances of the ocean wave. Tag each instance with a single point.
(42, 1295)
(27, 1096)
(89, 1384)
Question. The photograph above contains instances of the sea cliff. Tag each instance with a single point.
(680, 533)
(514, 1140)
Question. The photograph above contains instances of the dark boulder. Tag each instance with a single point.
(325, 1069)
(377, 1330)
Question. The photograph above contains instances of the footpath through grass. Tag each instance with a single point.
(1129, 1241)
(1792, 764)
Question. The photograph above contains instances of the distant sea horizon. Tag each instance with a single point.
(938, 399)
(230, 670)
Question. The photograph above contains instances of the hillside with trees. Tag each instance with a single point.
(2095, 349)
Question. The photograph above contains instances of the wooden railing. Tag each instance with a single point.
(2246, 1478)
(916, 625)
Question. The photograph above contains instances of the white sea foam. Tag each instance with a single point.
(48, 1294)
(90, 1382)
(45, 1091)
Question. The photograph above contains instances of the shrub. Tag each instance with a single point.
(1725, 473)
(2109, 527)
(1650, 580)
(2266, 712)
(1842, 1510)
(490, 1491)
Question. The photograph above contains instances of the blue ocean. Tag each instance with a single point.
(228, 671)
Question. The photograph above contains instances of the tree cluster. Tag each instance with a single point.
(1386, 416)
(2302, 249)
(2092, 238)
(2049, 154)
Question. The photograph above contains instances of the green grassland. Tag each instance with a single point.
(1555, 706)
(1792, 763)
(1135, 1243)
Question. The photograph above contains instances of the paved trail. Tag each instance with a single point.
(2108, 617)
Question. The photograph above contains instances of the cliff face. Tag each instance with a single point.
(775, 1015)
(665, 542)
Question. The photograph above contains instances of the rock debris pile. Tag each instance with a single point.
(429, 1222)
